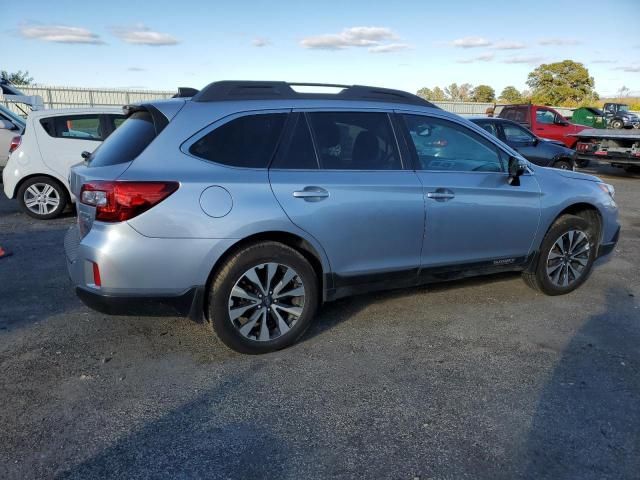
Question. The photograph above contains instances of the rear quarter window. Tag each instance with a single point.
(127, 142)
(249, 141)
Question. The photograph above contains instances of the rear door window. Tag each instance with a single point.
(355, 141)
(249, 141)
(127, 142)
(83, 127)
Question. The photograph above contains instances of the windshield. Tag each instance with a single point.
(624, 108)
(15, 118)
(127, 142)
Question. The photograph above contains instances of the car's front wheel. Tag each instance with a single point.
(566, 256)
(42, 197)
(263, 298)
(617, 124)
(563, 164)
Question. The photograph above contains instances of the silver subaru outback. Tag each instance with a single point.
(252, 203)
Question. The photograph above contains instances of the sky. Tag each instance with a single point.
(395, 44)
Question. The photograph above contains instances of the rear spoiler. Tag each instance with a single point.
(186, 92)
(159, 119)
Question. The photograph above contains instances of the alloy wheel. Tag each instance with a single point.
(568, 258)
(41, 198)
(266, 302)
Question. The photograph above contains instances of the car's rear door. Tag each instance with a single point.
(342, 180)
(63, 138)
(473, 215)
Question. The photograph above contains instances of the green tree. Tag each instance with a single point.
(17, 78)
(436, 94)
(511, 94)
(483, 93)
(561, 83)
(460, 93)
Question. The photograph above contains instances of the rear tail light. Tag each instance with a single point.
(15, 143)
(119, 201)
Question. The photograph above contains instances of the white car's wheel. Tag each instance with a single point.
(42, 197)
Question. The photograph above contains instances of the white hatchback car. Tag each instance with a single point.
(38, 168)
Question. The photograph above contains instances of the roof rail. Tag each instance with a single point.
(256, 90)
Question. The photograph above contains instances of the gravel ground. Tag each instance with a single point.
(474, 379)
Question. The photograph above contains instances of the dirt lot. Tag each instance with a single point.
(474, 379)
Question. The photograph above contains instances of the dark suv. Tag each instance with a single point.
(546, 153)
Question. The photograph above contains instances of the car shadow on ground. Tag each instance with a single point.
(35, 284)
(194, 442)
(334, 313)
(587, 422)
(576, 431)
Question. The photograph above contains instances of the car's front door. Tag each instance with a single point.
(524, 142)
(341, 179)
(473, 214)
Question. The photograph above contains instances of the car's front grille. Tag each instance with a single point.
(72, 243)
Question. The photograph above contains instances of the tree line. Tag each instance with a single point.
(565, 83)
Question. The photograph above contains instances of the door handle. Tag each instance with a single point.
(311, 194)
(441, 195)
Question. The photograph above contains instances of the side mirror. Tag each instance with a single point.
(6, 125)
(562, 123)
(535, 142)
(516, 168)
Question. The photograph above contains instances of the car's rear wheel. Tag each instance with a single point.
(263, 298)
(566, 256)
(563, 165)
(582, 163)
(42, 197)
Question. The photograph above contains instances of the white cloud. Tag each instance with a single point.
(558, 41)
(529, 60)
(391, 47)
(471, 42)
(509, 46)
(629, 68)
(60, 34)
(136, 69)
(260, 42)
(604, 61)
(142, 35)
(487, 57)
(349, 37)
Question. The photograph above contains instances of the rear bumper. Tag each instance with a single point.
(190, 303)
(140, 275)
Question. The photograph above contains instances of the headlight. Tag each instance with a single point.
(606, 188)
(625, 118)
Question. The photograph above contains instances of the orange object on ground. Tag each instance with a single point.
(4, 253)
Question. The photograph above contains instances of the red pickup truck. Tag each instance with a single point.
(544, 122)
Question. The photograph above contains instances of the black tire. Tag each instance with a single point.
(38, 184)
(582, 163)
(632, 169)
(617, 124)
(563, 164)
(538, 279)
(233, 270)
